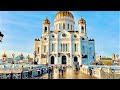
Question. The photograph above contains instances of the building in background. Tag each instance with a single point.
(64, 44)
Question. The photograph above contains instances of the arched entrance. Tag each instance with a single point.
(52, 60)
(75, 59)
(63, 59)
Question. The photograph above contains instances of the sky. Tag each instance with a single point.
(20, 28)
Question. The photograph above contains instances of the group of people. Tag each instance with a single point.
(62, 69)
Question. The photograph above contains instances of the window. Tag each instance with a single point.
(52, 46)
(82, 29)
(83, 47)
(45, 39)
(90, 50)
(75, 47)
(38, 49)
(66, 47)
(63, 26)
(44, 48)
(68, 26)
(52, 36)
(59, 25)
(75, 36)
(71, 27)
(45, 29)
(61, 47)
(64, 35)
(83, 39)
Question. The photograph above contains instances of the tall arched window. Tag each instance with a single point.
(63, 25)
(82, 29)
(83, 47)
(52, 47)
(66, 47)
(59, 25)
(45, 29)
(61, 47)
(75, 47)
(68, 26)
(44, 48)
(90, 50)
(38, 49)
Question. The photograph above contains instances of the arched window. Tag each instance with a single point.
(59, 25)
(71, 27)
(66, 47)
(75, 47)
(83, 47)
(90, 50)
(61, 47)
(63, 25)
(44, 48)
(52, 47)
(68, 26)
(45, 29)
(82, 29)
(38, 49)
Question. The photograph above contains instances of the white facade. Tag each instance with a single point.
(64, 45)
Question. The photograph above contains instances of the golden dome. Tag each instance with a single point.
(4, 55)
(64, 13)
(46, 21)
(81, 21)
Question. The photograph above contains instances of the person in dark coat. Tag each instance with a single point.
(51, 71)
(90, 71)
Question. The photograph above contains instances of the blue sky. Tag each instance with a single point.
(22, 27)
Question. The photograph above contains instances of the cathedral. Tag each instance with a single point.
(64, 45)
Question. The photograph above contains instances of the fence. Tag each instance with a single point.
(103, 73)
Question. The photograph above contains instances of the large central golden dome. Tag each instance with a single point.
(64, 13)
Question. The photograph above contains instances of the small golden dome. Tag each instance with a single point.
(46, 21)
(64, 13)
(4, 55)
(81, 21)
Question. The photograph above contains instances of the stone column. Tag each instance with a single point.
(48, 50)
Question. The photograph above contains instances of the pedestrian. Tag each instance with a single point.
(39, 73)
(59, 70)
(90, 71)
(51, 71)
(62, 70)
(11, 75)
(21, 70)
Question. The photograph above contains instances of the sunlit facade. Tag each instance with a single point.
(64, 44)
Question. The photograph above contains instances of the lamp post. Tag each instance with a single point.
(1, 36)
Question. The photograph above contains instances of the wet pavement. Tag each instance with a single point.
(68, 74)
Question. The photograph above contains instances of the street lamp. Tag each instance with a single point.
(1, 36)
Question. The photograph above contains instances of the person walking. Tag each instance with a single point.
(52, 71)
(62, 70)
(49, 72)
(39, 73)
(21, 70)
